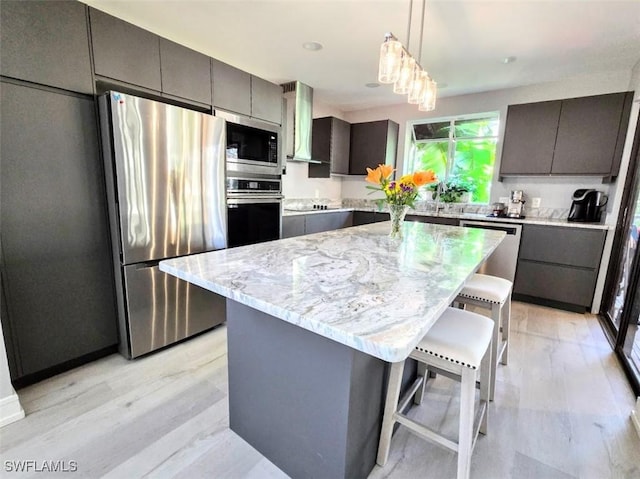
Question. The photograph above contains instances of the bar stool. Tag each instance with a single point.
(457, 345)
(493, 293)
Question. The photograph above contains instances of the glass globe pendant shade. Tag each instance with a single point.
(418, 85)
(406, 74)
(428, 102)
(390, 60)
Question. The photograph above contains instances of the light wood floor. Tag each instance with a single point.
(561, 411)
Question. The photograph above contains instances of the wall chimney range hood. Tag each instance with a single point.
(298, 99)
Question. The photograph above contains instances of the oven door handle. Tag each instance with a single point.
(234, 202)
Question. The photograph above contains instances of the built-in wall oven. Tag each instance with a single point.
(254, 209)
(253, 146)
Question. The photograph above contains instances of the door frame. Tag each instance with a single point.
(617, 337)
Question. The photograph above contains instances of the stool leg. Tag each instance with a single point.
(496, 310)
(485, 385)
(424, 372)
(467, 415)
(390, 407)
(506, 328)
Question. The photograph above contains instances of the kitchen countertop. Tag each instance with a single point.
(353, 285)
(466, 216)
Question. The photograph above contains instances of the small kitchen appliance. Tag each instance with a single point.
(498, 210)
(587, 205)
(516, 204)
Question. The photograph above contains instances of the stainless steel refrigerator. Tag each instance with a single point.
(165, 174)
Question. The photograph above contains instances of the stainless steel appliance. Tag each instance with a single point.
(587, 205)
(165, 169)
(298, 120)
(254, 208)
(504, 259)
(515, 209)
(252, 146)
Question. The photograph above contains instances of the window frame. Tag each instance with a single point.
(410, 155)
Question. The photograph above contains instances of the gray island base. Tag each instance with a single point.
(312, 324)
(312, 406)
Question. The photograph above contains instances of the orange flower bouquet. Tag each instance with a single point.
(400, 194)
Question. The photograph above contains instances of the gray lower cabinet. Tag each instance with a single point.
(266, 100)
(372, 143)
(185, 72)
(57, 277)
(292, 226)
(47, 43)
(299, 225)
(558, 265)
(331, 145)
(368, 217)
(124, 52)
(319, 222)
(433, 219)
(231, 88)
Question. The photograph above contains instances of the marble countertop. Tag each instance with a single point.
(353, 285)
(467, 216)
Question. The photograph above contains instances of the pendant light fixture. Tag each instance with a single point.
(398, 66)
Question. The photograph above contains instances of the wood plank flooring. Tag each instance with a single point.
(562, 410)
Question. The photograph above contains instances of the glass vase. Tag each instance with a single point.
(397, 214)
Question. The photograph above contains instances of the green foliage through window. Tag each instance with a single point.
(461, 152)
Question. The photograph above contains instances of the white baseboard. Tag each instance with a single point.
(10, 410)
(635, 416)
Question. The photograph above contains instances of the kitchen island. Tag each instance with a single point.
(312, 323)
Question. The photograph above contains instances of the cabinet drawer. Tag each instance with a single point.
(555, 282)
(566, 246)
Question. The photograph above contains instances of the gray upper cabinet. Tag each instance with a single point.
(331, 145)
(529, 138)
(124, 52)
(231, 88)
(47, 43)
(576, 136)
(588, 134)
(185, 72)
(372, 143)
(266, 100)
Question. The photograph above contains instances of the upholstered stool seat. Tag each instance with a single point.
(493, 293)
(458, 345)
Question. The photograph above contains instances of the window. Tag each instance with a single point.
(461, 151)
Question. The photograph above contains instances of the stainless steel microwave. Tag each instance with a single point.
(253, 146)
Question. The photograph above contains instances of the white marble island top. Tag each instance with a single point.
(353, 285)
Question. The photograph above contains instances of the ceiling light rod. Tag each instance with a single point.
(397, 66)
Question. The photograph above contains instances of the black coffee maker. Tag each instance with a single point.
(587, 205)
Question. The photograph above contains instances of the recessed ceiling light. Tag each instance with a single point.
(506, 60)
(372, 85)
(312, 46)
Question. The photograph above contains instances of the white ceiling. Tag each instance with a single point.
(464, 41)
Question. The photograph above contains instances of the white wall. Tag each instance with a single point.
(10, 408)
(555, 192)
